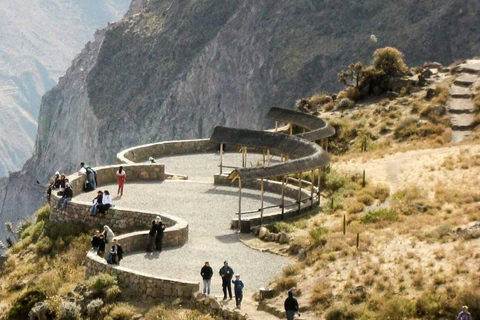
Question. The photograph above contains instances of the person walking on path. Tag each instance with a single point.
(291, 305)
(156, 235)
(238, 288)
(108, 234)
(207, 274)
(121, 178)
(226, 273)
(464, 314)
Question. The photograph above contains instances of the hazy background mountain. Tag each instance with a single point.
(38, 40)
(180, 67)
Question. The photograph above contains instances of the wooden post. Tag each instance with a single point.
(221, 158)
(276, 126)
(312, 187)
(344, 225)
(299, 191)
(261, 208)
(239, 204)
(268, 157)
(263, 154)
(363, 180)
(283, 196)
(291, 129)
(358, 240)
(245, 157)
(319, 182)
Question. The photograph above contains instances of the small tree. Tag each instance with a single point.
(390, 61)
(354, 73)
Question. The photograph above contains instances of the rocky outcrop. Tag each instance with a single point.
(174, 69)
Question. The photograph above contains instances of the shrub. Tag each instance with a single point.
(93, 308)
(69, 311)
(405, 129)
(101, 281)
(22, 305)
(365, 198)
(113, 293)
(120, 311)
(285, 283)
(43, 214)
(291, 270)
(353, 206)
(318, 236)
(345, 103)
(390, 61)
(381, 192)
(379, 215)
(281, 226)
(318, 100)
(159, 313)
(322, 293)
(397, 308)
(342, 312)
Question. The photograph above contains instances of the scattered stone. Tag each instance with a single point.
(430, 93)
(440, 110)
(38, 312)
(302, 255)
(263, 233)
(266, 293)
(392, 95)
(282, 238)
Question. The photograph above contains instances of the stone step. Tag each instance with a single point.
(460, 92)
(471, 66)
(459, 135)
(460, 106)
(466, 79)
(462, 121)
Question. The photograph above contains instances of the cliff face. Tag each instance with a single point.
(38, 41)
(176, 68)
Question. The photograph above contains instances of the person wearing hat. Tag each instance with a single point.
(156, 235)
(464, 314)
(291, 305)
(238, 288)
(207, 273)
(226, 273)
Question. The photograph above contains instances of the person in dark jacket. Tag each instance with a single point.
(101, 246)
(291, 305)
(116, 254)
(207, 274)
(238, 288)
(464, 314)
(226, 273)
(156, 235)
(97, 201)
(95, 241)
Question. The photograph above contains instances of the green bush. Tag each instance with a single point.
(22, 305)
(390, 61)
(285, 283)
(43, 214)
(121, 311)
(379, 215)
(69, 311)
(278, 227)
(406, 128)
(101, 281)
(318, 236)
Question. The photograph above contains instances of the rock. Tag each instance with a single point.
(215, 305)
(19, 285)
(282, 238)
(440, 110)
(392, 95)
(430, 93)
(433, 65)
(302, 255)
(263, 232)
(138, 316)
(266, 293)
(38, 312)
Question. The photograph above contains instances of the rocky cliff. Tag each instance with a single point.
(39, 39)
(174, 69)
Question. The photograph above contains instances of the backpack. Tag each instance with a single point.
(87, 186)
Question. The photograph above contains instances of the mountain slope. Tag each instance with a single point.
(180, 67)
(38, 41)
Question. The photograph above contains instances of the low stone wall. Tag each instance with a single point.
(291, 191)
(164, 149)
(145, 285)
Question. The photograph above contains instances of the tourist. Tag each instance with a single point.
(121, 178)
(61, 185)
(67, 196)
(97, 201)
(108, 234)
(152, 160)
(91, 174)
(291, 305)
(226, 273)
(206, 274)
(464, 314)
(101, 247)
(238, 288)
(106, 202)
(116, 254)
(95, 241)
(54, 184)
(156, 235)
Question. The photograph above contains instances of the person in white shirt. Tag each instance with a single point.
(106, 202)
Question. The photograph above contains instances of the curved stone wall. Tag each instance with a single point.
(166, 148)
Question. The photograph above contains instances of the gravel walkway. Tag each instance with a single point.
(208, 210)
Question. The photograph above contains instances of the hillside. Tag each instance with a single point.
(39, 40)
(178, 68)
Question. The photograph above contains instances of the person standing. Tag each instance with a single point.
(207, 274)
(464, 314)
(156, 235)
(121, 178)
(238, 288)
(108, 234)
(226, 273)
(291, 305)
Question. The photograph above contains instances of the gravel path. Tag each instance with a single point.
(208, 210)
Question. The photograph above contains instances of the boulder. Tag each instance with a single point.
(433, 65)
(38, 312)
(440, 110)
(302, 255)
(263, 232)
(430, 93)
(282, 238)
(392, 95)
